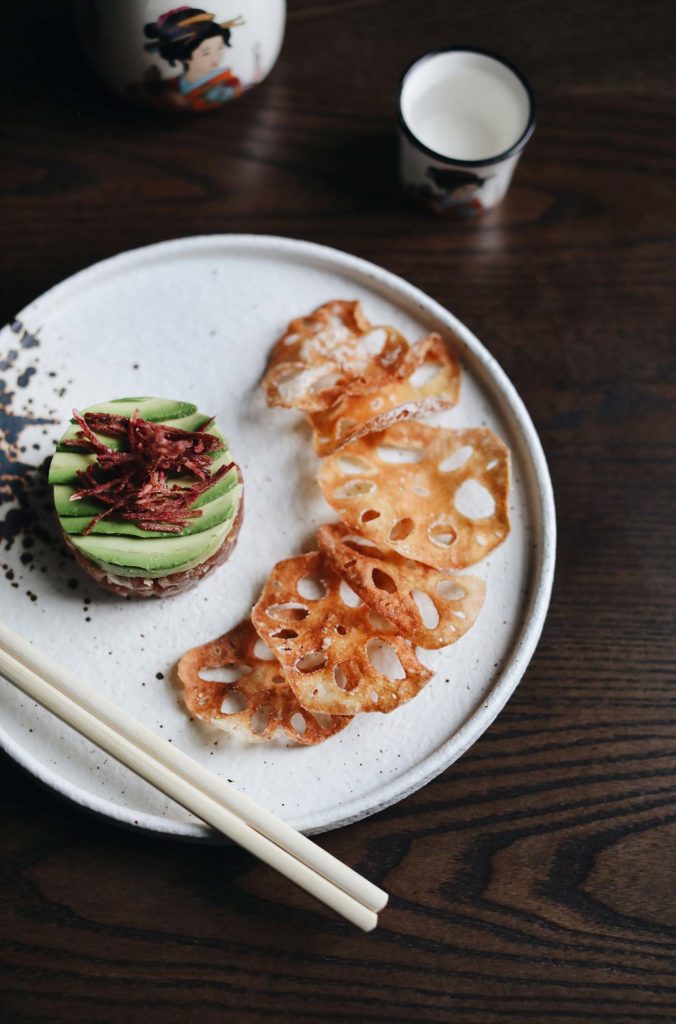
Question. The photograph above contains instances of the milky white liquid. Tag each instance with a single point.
(465, 106)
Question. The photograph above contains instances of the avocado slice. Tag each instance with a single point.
(168, 554)
(65, 508)
(192, 422)
(64, 467)
(217, 511)
(153, 409)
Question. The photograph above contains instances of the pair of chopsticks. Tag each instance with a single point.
(176, 775)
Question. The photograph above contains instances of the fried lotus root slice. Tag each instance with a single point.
(268, 703)
(336, 657)
(434, 495)
(329, 353)
(391, 584)
(426, 381)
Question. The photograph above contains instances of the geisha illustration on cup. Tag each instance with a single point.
(180, 58)
(192, 40)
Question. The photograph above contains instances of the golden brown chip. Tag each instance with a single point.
(426, 381)
(337, 658)
(268, 703)
(397, 588)
(436, 496)
(329, 353)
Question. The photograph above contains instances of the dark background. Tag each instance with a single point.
(534, 880)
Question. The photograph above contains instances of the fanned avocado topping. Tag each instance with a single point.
(145, 485)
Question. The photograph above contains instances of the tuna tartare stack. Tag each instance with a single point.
(147, 494)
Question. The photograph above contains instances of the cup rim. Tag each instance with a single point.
(515, 148)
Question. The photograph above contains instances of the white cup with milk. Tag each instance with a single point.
(465, 116)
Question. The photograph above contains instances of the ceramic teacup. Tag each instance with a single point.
(464, 118)
(180, 58)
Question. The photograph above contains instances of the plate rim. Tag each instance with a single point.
(541, 499)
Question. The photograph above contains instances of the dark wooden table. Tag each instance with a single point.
(534, 880)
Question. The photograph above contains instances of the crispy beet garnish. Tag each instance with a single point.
(133, 484)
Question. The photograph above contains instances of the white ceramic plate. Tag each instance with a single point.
(195, 319)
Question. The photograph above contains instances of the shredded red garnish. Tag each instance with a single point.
(132, 484)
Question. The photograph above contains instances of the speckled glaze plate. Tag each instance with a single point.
(195, 319)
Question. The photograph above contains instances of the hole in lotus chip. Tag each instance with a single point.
(346, 676)
(401, 529)
(285, 634)
(353, 488)
(441, 534)
(233, 703)
(399, 456)
(474, 501)
(289, 612)
(352, 464)
(456, 459)
(384, 659)
(312, 661)
(262, 651)
(377, 403)
(299, 723)
(362, 545)
(382, 581)
(449, 590)
(348, 596)
(289, 374)
(259, 720)
(340, 677)
(425, 374)
(374, 341)
(224, 673)
(328, 380)
(375, 696)
(369, 515)
(312, 588)
(279, 680)
(341, 630)
(427, 608)
(422, 492)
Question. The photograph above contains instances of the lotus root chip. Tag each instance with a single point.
(433, 495)
(264, 703)
(333, 351)
(427, 381)
(396, 587)
(334, 657)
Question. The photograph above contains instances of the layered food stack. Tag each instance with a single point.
(335, 631)
(147, 495)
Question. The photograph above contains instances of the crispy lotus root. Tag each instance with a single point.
(390, 585)
(427, 380)
(268, 702)
(332, 352)
(434, 495)
(336, 657)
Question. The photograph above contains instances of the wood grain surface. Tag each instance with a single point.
(534, 880)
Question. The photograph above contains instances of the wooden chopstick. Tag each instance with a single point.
(188, 783)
